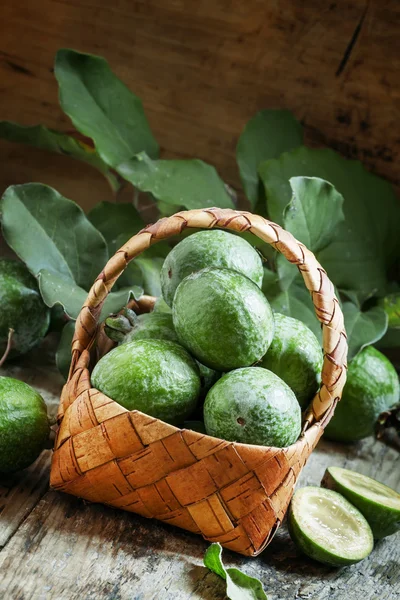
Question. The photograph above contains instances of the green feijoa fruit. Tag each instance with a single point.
(219, 249)
(326, 527)
(223, 318)
(372, 386)
(156, 326)
(21, 309)
(24, 426)
(253, 406)
(295, 355)
(157, 377)
(379, 504)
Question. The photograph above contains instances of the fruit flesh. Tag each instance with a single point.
(157, 377)
(24, 426)
(326, 527)
(21, 308)
(252, 406)
(219, 249)
(223, 319)
(372, 386)
(295, 356)
(379, 504)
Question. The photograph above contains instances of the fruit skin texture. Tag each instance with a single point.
(219, 249)
(157, 377)
(372, 386)
(253, 406)
(311, 547)
(295, 356)
(21, 308)
(158, 326)
(24, 426)
(383, 520)
(223, 319)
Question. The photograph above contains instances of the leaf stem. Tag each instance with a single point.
(8, 347)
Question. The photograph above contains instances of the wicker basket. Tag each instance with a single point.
(235, 494)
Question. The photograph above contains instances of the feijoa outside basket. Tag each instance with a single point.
(231, 493)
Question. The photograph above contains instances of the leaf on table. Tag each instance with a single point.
(367, 242)
(56, 289)
(40, 136)
(102, 107)
(48, 231)
(314, 212)
(116, 222)
(391, 305)
(188, 183)
(265, 136)
(295, 302)
(363, 328)
(239, 586)
(63, 352)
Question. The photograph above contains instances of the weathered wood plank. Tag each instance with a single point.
(203, 70)
(19, 493)
(66, 549)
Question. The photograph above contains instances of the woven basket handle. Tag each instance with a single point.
(326, 305)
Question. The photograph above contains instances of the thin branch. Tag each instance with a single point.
(8, 348)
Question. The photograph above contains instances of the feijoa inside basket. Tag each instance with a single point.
(235, 494)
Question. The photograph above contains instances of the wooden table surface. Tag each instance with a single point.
(57, 547)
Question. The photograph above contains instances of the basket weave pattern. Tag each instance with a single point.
(235, 494)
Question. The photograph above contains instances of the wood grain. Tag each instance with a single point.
(203, 69)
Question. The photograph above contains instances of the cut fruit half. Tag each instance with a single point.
(327, 528)
(379, 504)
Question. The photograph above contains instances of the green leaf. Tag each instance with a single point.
(239, 586)
(48, 231)
(363, 328)
(265, 136)
(314, 212)
(188, 183)
(56, 289)
(287, 272)
(55, 141)
(391, 305)
(367, 241)
(102, 107)
(296, 302)
(63, 352)
(150, 269)
(116, 222)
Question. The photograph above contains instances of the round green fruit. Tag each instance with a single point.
(372, 386)
(327, 528)
(24, 426)
(156, 326)
(21, 309)
(157, 377)
(295, 356)
(219, 249)
(253, 406)
(223, 318)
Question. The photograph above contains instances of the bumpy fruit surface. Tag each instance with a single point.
(216, 248)
(223, 318)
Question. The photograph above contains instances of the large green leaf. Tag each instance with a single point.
(61, 143)
(266, 135)
(63, 352)
(102, 107)
(56, 289)
(239, 586)
(367, 241)
(188, 183)
(48, 231)
(314, 212)
(116, 222)
(391, 305)
(363, 328)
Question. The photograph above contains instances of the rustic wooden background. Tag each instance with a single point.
(203, 69)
